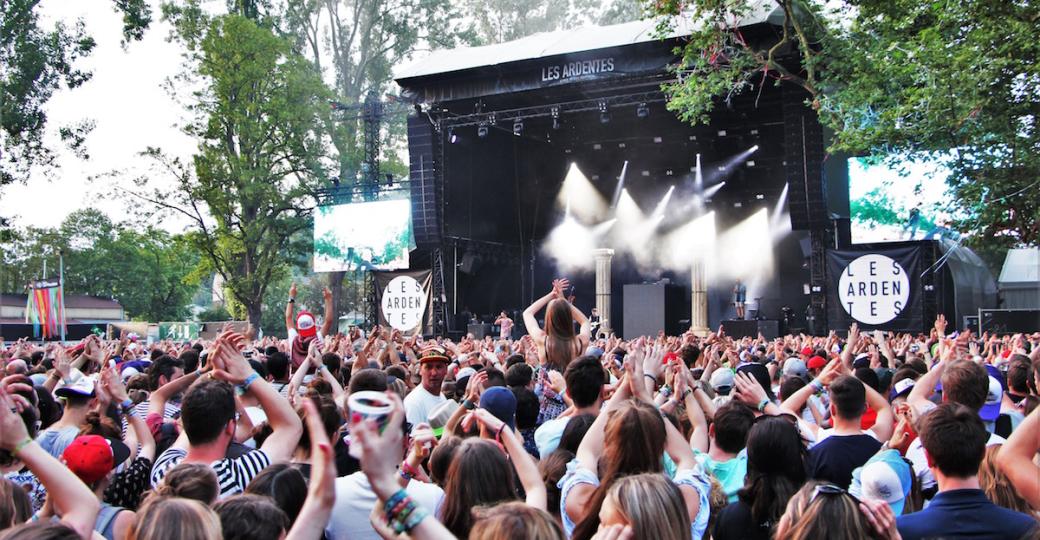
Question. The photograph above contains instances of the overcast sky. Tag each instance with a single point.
(126, 100)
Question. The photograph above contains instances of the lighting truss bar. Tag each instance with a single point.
(548, 111)
(357, 192)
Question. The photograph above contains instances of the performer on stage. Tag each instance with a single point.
(594, 322)
(739, 298)
(505, 325)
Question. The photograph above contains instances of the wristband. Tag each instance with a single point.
(651, 377)
(687, 393)
(249, 380)
(763, 404)
(292, 300)
(127, 404)
(20, 446)
(468, 405)
(817, 385)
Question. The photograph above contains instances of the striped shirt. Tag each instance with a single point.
(233, 475)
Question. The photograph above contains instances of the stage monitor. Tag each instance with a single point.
(375, 235)
(899, 199)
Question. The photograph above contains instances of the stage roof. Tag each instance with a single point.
(562, 42)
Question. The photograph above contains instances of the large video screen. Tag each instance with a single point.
(373, 235)
(899, 199)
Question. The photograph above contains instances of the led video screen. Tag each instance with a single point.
(374, 235)
(902, 199)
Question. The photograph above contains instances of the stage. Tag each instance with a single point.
(526, 161)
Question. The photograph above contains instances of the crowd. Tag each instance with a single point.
(557, 435)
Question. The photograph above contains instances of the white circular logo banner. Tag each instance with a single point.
(874, 289)
(404, 302)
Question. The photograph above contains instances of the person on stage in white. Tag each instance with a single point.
(505, 326)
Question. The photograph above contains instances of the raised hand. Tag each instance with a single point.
(940, 325)
(292, 290)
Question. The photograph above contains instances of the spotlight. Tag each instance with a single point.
(452, 136)
(555, 112)
(518, 127)
(556, 123)
(491, 119)
(642, 111)
(760, 197)
(604, 113)
(482, 130)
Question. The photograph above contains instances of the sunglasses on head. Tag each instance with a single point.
(830, 489)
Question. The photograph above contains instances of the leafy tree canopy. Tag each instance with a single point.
(895, 77)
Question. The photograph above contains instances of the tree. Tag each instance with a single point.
(249, 190)
(34, 63)
(957, 82)
(149, 272)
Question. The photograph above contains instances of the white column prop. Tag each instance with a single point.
(603, 257)
(699, 300)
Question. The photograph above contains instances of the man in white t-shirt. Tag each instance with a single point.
(433, 367)
(355, 500)
(964, 382)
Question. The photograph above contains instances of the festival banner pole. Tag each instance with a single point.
(61, 294)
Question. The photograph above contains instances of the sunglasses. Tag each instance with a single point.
(830, 489)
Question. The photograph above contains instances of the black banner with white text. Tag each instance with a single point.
(405, 300)
(877, 288)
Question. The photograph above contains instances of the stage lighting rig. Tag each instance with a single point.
(555, 113)
(604, 113)
(518, 127)
(642, 111)
(452, 136)
(482, 130)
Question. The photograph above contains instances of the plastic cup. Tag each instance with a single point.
(368, 405)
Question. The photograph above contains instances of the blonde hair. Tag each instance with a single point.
(174, 518)
(831, 516)
(516, 521)
(652, 505)
(998, 487)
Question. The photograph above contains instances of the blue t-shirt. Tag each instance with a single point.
(834, 459)
(729, 473)
(964, 513)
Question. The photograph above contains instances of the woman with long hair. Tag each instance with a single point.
(650, 504)
(775, 471)
(824, 510)
(174, 518)
(515, 521)
(998, 487)
(557, 344)
(480, 474)
(629, 437)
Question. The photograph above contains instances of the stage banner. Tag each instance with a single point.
(405, 300)
(45, 308)
(879, 289)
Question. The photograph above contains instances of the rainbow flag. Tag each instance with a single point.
(45, 308)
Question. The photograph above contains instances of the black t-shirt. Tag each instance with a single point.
(834, 459)
(735, 523)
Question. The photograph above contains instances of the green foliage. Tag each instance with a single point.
(34, 63)
(213, 314)
(894, 77)
(250, 187)
(147, 271)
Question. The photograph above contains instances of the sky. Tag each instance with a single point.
(131, 110)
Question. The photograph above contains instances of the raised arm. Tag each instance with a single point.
(1016, 459)
(885, 422)
(330, 315)
(850, 345)
(321, 491)
(526, 469)
(72, 499)
(286, 427)
(138, 428)
(289, 308)
(531, 316)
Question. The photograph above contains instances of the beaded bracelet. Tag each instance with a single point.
(394, 500)
(416, 517)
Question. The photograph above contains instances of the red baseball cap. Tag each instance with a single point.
(817, 362)
(305, 325)
(807, 351)
(92, 457)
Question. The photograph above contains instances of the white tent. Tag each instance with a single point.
(1020, 279)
